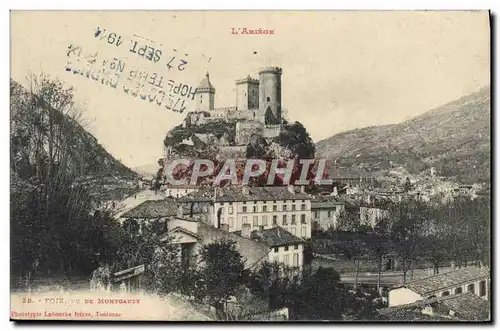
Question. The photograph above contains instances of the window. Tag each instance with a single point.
(303, 218)
(303, 233)
(303, 206)
(230, 210)
(244, 209)
(264, 208)
(295, 260)
(287, 260)
(316, 214)
(296, 247)
(445, 293)
(284, 220)
(293, 219)
(284, 207)
(329, 213)
(255, 209)
(256, 221)
(275, 208)
(231, 222)
(264, 220)
(482, 288)
(294, 230)
(286, 248)
(470, 288)
(244, 219)
(458, 290)
(275, 220)
(268, 99)
(293, 207)
(276, 249)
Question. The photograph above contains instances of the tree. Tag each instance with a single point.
(378, 245)
(296, 138)
(321, 296)
(221, 273)
(257, 147)
(409, 221)
(349, 220)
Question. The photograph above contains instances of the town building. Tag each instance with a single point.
(325, 212)
(284, 247)
(267, 207)
(472, 279)
(256, 247)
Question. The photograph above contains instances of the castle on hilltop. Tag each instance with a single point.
(257, 110)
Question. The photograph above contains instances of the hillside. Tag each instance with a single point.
(453, 138)
(40, 133)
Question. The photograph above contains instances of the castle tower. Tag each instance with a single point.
(270, 94)
(205, 95)
(247, 93)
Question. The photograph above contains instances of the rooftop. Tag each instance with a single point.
(240, 193)
(445, 280)
(153, 209)
(465, 306)
(247, 79)
(205, 83)
(329, 201)
(276, 237)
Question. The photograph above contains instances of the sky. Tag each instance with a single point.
(341, 69)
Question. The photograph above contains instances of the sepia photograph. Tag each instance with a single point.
(251, 166)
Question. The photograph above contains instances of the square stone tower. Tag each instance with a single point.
(247, 93)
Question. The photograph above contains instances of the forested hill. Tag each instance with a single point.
(455, 138)
(45, 139)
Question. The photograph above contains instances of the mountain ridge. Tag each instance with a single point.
(454, 138)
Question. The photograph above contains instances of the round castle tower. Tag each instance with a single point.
(270, 94)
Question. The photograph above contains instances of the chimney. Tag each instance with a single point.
(245, 230)
(180, 211)
(303, 189)
(291, 189)
(224, 227)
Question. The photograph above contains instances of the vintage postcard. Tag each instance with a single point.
(250, 166)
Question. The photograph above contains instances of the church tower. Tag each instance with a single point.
(205, 95)
(270, 94)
